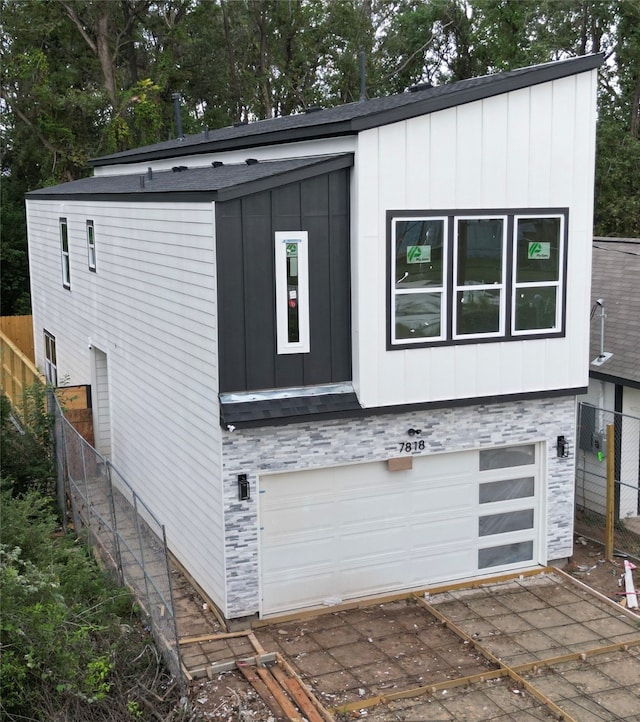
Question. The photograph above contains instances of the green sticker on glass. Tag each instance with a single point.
(418, 254)
(539, 250)
(292, 249)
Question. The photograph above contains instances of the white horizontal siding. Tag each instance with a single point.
(151, 307)
(532, 148)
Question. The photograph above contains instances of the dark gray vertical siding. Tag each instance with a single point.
(257, 282)
(315, 219)
(340, 276)
(246, 285)
(285, 202)
(230, 268)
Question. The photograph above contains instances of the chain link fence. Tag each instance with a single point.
(592, 461)
(123, 532)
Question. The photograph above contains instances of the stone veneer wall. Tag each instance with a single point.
(320, 444)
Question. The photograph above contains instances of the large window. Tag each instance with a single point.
(64, 250)
(475, 275)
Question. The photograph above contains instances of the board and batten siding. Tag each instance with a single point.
(245, 229)
(150, 307)
(530, 148)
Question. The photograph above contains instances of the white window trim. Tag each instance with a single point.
(502, 286)
(65, 257)
(50, 368)
(284, 346)
(442, 290)
(91, 245)
(558, 285)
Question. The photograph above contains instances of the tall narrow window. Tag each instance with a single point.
(537, 263)
(479, 304)
(292, 291)
(50, 362)
(418, 276)
(64, 250)
(91, 246)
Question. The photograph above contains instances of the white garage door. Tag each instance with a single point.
(334, 534)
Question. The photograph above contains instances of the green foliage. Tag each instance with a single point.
(82, 78)
(27, 458)
(60, 628)
(66, 654)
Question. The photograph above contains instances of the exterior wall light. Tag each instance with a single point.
(244, 490)
(562, 447)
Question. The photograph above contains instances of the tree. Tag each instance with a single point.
(83, 78)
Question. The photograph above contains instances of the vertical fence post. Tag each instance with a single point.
(610, 508)
(114, 522)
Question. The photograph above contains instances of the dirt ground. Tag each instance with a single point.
(349, 657)
(588, 564)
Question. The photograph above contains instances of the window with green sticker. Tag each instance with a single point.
(419, 272)
(292, 292)
(475, 275)
(537, 264)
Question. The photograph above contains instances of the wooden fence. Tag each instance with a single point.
(17, 368)
(19, 330)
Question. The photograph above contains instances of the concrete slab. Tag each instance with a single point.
(404, 660)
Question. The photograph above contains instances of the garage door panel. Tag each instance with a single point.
(448, 498)
(345, 532)
(359, 545)
(440, 532)
(449, 563)
(374, 578)
(298, 554)
(286, 594)
(374, 507)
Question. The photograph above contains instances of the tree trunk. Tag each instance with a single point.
(635, 112)
(106, 62)
(233, 70)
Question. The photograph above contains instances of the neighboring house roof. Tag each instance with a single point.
(219, 183)
(615, 276)
(352, 118)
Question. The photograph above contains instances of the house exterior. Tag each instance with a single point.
(614, 379)
(338, 353)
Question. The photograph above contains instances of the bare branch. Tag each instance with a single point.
(78, 23)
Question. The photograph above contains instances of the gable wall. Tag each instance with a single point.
(532, 148)
(151, 307)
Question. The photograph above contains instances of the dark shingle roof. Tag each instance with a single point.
(287, 409)
(209, 183)
(353, 117)
(616, 279)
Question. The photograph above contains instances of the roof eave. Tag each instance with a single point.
(278, 137)
(536, 76)
(320, 167)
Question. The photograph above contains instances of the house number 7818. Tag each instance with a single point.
(408, 446)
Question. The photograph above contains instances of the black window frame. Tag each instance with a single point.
(449, 337)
